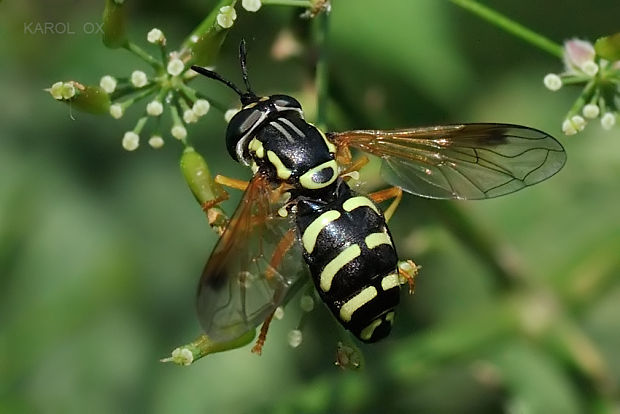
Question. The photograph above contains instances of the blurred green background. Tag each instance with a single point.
(516, 309)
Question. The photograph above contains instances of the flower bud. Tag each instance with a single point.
(608, 120)
(108, 83)
(552, 82)
(226, 17)
(175, 67)
(251, 5)
(139, 78)
(198, 177)
(131, 141)
(295, 337)
(114, 24)
(154, 108)
(591, 111)
(91, 99)
(156, 141)
(179, 132)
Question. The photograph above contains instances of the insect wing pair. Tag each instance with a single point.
(257, 262)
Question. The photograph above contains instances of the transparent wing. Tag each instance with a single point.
(253, 267)
(469, 161)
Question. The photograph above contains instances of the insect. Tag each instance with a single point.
(298, 204)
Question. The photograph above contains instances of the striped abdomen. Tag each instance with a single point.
(352, 259)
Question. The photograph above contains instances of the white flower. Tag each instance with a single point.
(156, 141)
(278, 313)
(226, 17)
(578, 122)
(573, 125)
(568, 128)
(577, 53)
(228, 115)
(138, 78)
(590, 68)
(189, 117)
(179, 132)
(154, 108)
(201, 107)
(68, 90)
(294, 338)
(608, 120)
(108, 83)
(183, 356)
(56, 91)
(155, 36)
(116, 110)
(591, 111)
(552, 82)
(131, 140)
(251, 5)
(175, 66)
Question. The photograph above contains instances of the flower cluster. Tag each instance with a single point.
(166, 90)
(167, 87)
(601, 86)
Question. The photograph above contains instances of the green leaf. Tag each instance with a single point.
(608, 47)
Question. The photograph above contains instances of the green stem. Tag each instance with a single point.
(207, 23)
(140, 124)
(136, 50)
(583, 98)
(295, 3)
(322, 70)
(511, 26)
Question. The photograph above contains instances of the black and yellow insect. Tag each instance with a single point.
(298, 204)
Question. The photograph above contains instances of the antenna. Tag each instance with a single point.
(246, 97)
(243, 56)
(214, 75)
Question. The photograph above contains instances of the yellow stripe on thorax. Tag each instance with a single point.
(257, 146)
(356, 302)
(330, 270)
(312, 231)
(359, 201)
(283, 172)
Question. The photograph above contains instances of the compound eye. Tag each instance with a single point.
(239, 126)
(285, 102)
(244, 120)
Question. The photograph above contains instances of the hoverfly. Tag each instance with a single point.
(298, 204)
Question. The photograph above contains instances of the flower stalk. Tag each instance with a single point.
(510, 26)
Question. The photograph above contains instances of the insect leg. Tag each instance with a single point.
(279, 252)
(258, 346)
(231, 182)
(394, 192)
(352, 171)
(215, 215)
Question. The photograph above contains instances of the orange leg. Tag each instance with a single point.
(216, 217)
(280, 251)
(356, 166)
(231, 182)
(380, 196)
(258, 347)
